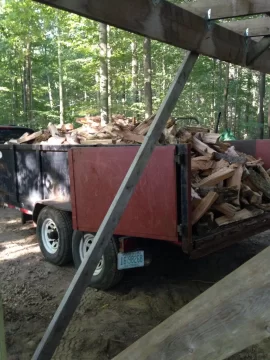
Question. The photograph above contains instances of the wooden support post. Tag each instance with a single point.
(3, 352)
(227, 318)
(80, 281)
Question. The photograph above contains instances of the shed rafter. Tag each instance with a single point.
(221, 9)
(169, 23)
(256, 27)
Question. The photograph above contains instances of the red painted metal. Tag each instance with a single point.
(25, 211)
(263, 151)
(96, 174)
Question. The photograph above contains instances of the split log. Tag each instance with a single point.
(209, 138)
(235, 181)
(217, 177)
(129, 136)
(221, 147)
(254, 198)
(230, 158)
(204, 205)
(221, 164)
(201, 148)
(53, 130)
(260, 183)
(227, 209)
(202, 163)
(143, 127)
(268, 171)
(254, 163)
(184, 136)
(225, 194)
(56, 140)
(97, 142)
(30, 137)
(196, 129)
(263, 172)
(239, 216)
(264, 207)
(72, 139)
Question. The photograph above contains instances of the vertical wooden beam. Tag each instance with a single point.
(80, 281)
(3, 351)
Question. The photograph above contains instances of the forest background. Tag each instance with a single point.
(56, 66)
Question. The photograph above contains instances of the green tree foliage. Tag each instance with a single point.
(31, 36)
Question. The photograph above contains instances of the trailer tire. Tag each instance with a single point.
(106, 274)
(54, 233)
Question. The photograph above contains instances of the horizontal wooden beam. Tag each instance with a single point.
(227, 318)
(257, 49)
(256, 27)
(221, 9)
(169, 23)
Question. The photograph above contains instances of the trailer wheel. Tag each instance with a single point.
(106, 274)
(54, 232)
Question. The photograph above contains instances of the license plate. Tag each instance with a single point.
(130, 260)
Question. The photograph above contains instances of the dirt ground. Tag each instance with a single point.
(106, 322)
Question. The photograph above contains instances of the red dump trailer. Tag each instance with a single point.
(68, 190)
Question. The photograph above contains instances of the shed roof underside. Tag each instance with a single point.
(196, 26)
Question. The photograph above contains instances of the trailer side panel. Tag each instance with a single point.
(97, 174)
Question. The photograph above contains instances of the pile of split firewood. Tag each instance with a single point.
(121, 130)
(227, 186)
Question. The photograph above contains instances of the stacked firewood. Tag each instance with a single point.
(227, 186)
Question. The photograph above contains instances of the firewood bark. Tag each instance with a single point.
(260, 183)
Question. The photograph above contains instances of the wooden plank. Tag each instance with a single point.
(172, 24)
(80, 281)
(204, 206)
(256, 27)
(227, 318)
(3, 351)
(217, 177)
(221, 9)
(239, 216)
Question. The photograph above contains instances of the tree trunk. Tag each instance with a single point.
(103, 44)
(261, 105)
(60, 74)
(269, 121)
(50, 91)
(147, 78)
(24, 88)
(109, 53)
(225, 96)
(248, 100)
(134, 72)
